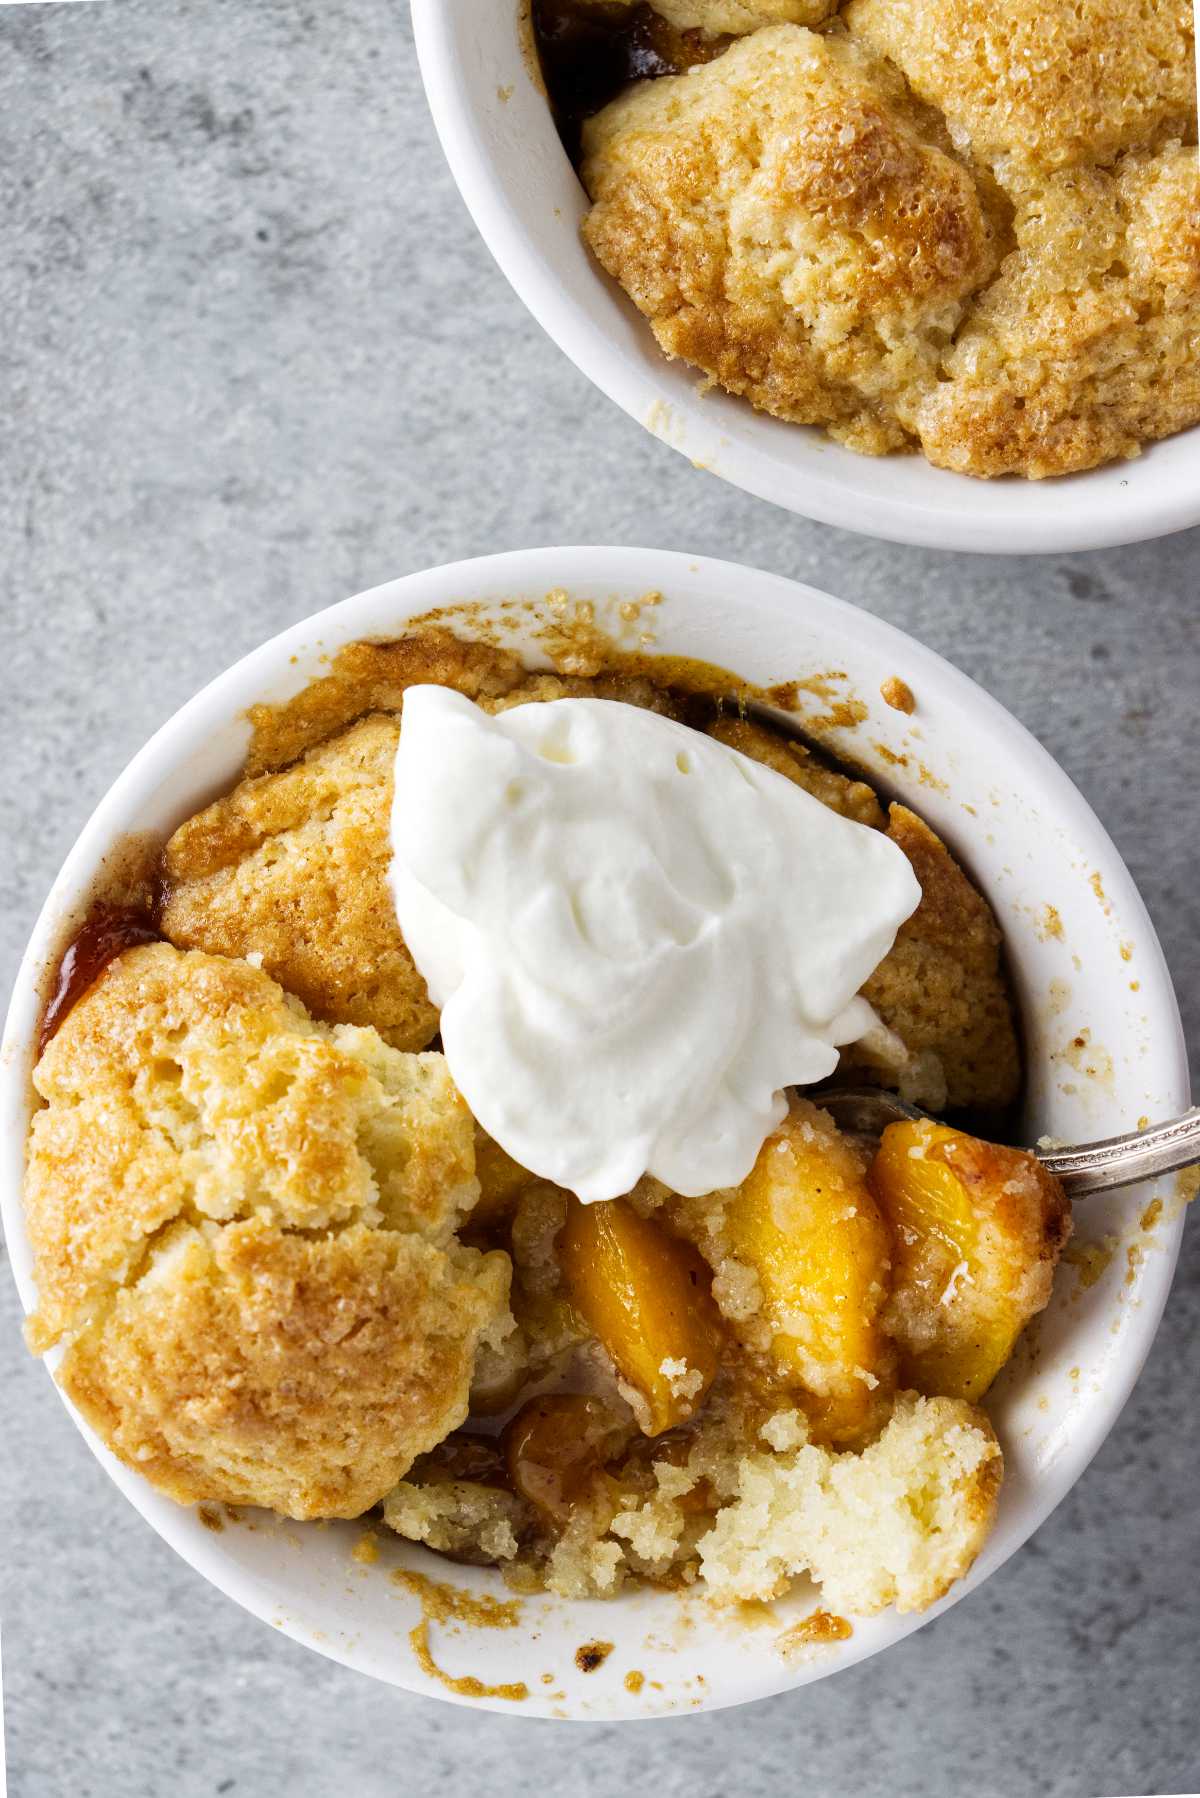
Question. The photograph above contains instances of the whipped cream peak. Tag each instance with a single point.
(637, 936)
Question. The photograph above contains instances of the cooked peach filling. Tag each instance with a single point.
(719, 1366)
(977, 1230)
(555, 1448)
(806, 1222)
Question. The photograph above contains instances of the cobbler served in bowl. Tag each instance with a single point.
(506, 1226)
(965, 227)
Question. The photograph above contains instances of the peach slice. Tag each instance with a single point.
(646, 1296)
(978, 1232)
(806, 1222)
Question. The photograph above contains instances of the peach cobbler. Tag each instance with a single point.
(966, 227)
(294, 1259)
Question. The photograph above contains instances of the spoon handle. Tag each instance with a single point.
(1124, 1160)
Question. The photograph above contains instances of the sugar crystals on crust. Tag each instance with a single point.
(1087, 344)
(1047, 82)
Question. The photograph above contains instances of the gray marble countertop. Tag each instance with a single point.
(254, 359)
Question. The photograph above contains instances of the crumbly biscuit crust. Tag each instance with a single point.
(1087, 344)
(1046, 83)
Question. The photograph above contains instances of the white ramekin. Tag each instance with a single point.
(500, 141)
(1101, 1055)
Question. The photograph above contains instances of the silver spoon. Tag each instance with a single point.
(1090, 1167)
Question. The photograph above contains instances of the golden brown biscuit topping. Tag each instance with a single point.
(967, 228)
(786, 223)
(243, 1224)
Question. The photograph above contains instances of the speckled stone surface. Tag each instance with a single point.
(254, 358)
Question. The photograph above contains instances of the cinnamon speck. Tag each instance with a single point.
(592, 1655)
(1087, 1057)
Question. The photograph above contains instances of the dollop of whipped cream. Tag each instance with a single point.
(637, 936)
